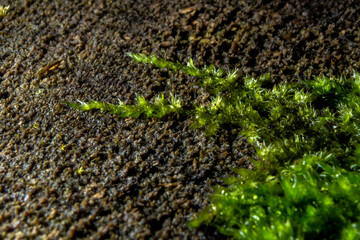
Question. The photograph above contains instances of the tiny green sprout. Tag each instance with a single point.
(80, 170)
(306, 135)
(4, 11)
(40, 92)
(175, 104)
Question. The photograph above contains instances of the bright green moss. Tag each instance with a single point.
(313, 199)
(4, 11)
(307, 135)
(159, 108)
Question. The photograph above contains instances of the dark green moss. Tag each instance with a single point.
(307, 135)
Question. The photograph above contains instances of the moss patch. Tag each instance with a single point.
(306, 134)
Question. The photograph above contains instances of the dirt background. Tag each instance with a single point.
(66, 174)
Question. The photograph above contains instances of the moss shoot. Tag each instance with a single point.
(307, 184)
(4, 11)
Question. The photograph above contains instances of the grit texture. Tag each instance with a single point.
(90, 175)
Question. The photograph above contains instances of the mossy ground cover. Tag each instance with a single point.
(306, 134)
(66, 174)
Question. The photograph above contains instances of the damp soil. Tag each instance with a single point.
(90, 175)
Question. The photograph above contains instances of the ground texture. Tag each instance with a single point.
(68, 174)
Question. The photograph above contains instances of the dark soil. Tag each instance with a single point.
(144, 178)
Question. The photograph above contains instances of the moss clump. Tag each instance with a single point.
(306, 134)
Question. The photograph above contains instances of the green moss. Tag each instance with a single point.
(159, 108)
(4, 11)
(307, 134)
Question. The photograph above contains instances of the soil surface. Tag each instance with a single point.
(69, 174)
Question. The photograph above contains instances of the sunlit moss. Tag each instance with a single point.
(306, 134)
(159, 108)
(4, 10)
(80, 170)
